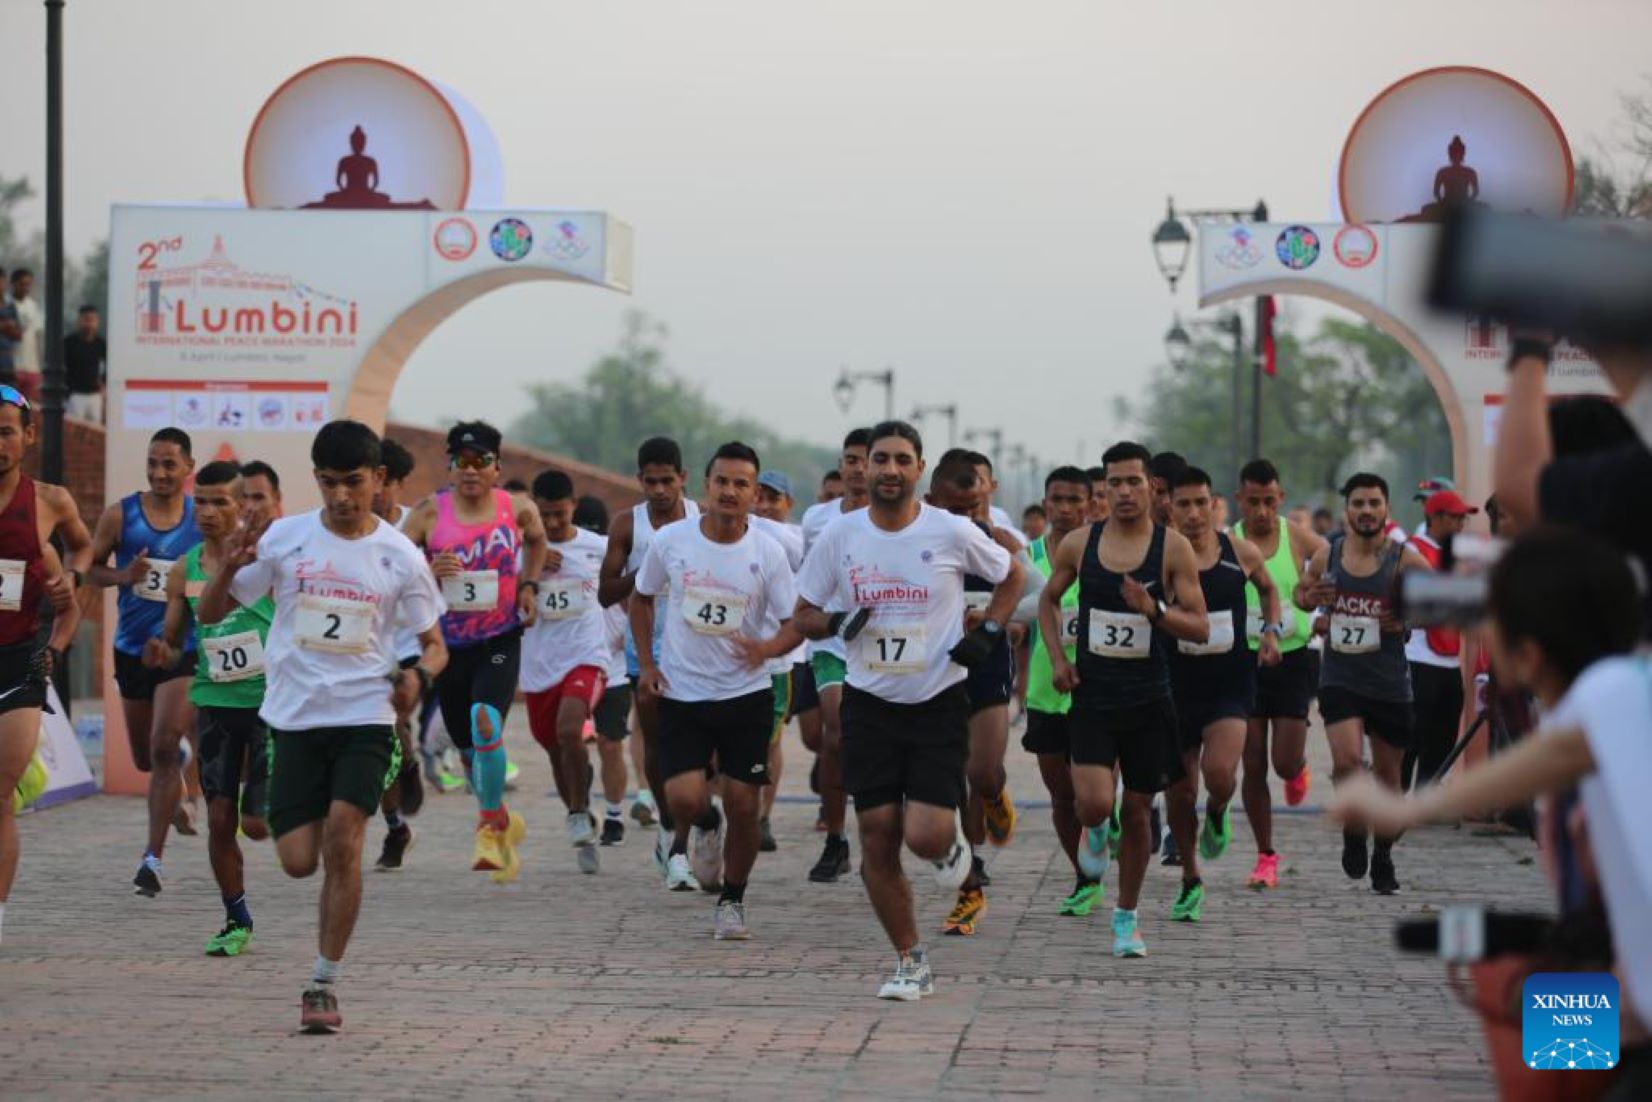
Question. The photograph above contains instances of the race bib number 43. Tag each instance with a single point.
(472, 591)
(1125, 635)
(12, 572)
(234, 657)
(152, 586)
(896, 648)
(1354, 634)
(713, 611)
(334, 624)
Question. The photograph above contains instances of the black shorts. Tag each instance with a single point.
(1046, 733)
(1389, 720)
(993, 681)
(235, 761)
(1192, 717)
(736, 731)
(612, 717)
(310, 769)
(1285, 691)
(804, 696)
(22, 678)
(482, 674)
(1139, 740)
(895, 752)
(138, 682)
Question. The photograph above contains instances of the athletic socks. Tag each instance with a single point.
(236, 910)
(326, 972)
(394, 820)
(732, 892)
(488, 772)
(679, 848)
(615, 811)
(152, 862)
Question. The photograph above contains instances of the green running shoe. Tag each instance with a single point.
(231, 941)
(1214, 838)
(1085, 896)
(1186, 907)
(446, 782)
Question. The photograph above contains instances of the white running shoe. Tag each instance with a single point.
(912, 980)
(582, 833)
(679, 877)
(951, 870)
(705, 850)
(729, 923)
(1092, 851)
(662, 851)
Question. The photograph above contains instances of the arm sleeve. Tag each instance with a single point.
(651, 575)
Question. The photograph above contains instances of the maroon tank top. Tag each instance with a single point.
(22, 570)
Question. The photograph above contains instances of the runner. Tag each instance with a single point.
(260, 492)
(794, 691)
(472, 533)
(341, 579)
(905, 708)
(723, 582)
(149, 532)
(1122, 716)
(30, 514)
(1034, 521)
(993, 515)
(1162, 474)
(1434, 654)
(227, 690)
(1364, 683)
(612, 718)
(1278, 728)
(831, 487)
(828, 663)
(565, 657)
(661, 476)
(1097, 510)
(406, 796)
(1214, 683)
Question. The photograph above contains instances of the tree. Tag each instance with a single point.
(1616, 182)
(85, 282)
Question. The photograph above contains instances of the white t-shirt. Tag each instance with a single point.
(815, 519)
(407, 640)
(790, 539)
(337, 603)
(913, 581)
(715, 590)
(1612, 703)
(614, 624)
(1001, 519)
(570, 628)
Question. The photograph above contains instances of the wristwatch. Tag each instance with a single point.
(527, 583)
(1275, 630)
(1159, 609)
(992, 627)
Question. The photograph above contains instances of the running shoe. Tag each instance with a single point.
(662, 851)
(729, 923)
(488, 854)
(834, 861)
(319, 1011)
(1296, 789)
(396, 845)
(1171, 855)
(953, 869)
(679, 876)
(1383, 881)
(1186, 907)
(148, 881)
(582, 834)
(912, 980)
(1266, 872)
(1085, 896)
(642, 809)
(1127, 940)
(1216, 835)
(765, 836)
(513, 835)
(971, 905)
(444, 782)
(705, 853)
(230, 941)
(1115, 832)
(410, 783)
(999, 814)
(1354, 858)
(613, 832)
(1092, 852)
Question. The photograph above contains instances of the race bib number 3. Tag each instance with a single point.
(896, 649)
(1125, 635)
(334, 624)
(1354, 634)
(471, 591)
(562, 600)
(11, 584)
(152, 586)
(234, 657)
(1220, 640)
(713, 611)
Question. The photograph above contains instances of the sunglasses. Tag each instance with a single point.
(11, 396)
(472, 461)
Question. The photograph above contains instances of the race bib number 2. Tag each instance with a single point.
(11, 584)
(334, 624)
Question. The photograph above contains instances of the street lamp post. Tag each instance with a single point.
(995, 435)
(1178, 346)
(949, 410)
(844, 389)
(52, 390)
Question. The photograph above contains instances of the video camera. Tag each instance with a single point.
(1463, 935)
(1455, 595)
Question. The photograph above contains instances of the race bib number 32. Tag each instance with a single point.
(334, 624)
(1125, 635)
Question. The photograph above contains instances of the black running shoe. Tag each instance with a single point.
(613, 831)
(411, 785)
(765, 836)
(833, 863)
(1171, 855)
(1354, 858)
(146, 883)
(1383, 881)
(396, 845)
(319, 1011)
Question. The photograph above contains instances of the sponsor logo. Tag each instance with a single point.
(1239, 250)
(455, 239)
(192, 410)
(1297, 247)
(272, 412)
(1569, 1021)
(1354, 246)
(565, 241)
(511, 239)
(1483, 338)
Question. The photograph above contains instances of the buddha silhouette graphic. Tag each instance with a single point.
(1455, 185)
(357, 180)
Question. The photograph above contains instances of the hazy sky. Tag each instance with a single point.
(962, 190)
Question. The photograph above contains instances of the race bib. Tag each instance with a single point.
(11, 584)
(893, 648)
(152, 586)
(471, 591)
(1125, 635)
(1253, 624)
(976, 600)
(234, 657)
(1069, 627)
(334, 624)
(713, 611)
(1220, 640)
(1354, 634)
(562, 599)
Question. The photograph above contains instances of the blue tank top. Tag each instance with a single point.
(140, 617)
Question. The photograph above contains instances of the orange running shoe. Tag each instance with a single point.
(1266, 872)
(1296, 789)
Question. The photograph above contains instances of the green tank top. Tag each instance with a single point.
(1041, 691)
(229, 666)
(1285, 572)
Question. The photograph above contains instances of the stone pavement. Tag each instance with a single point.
(567, 984)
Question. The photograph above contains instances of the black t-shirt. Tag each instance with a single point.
(1605, 492)
(83, 363)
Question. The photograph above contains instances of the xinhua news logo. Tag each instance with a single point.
(1569, 1021)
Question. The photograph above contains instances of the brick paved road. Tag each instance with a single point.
(607, 984)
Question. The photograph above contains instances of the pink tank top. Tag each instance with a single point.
(491, 546)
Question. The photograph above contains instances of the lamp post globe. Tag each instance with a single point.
(844, 391)
(1171, 245)
(1178, 344)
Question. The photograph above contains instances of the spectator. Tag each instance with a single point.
(1033, 521)
(1324, 523)
(11, 331)
(85, 354)
(30, 320)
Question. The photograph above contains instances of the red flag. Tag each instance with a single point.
(1270, 351)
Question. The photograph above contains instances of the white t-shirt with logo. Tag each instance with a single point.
(570, 628)
(332, 644)
(913, 581)
(790, 539)
(716, 590)
(815, 520)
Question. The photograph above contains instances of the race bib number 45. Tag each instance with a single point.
(713, 611)
(12, 573)
(1354, 634)
(472, 591)
(234, 657)
(334, 624)
(896, 649)
(152, 586)
(1125, 635)
(562, 600)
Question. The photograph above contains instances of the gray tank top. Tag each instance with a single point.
(1359, 657)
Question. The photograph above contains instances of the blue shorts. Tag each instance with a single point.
(632, 661)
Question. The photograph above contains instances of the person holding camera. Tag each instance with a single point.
(1435, 652)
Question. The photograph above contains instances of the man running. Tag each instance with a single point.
(30, 514)
(828, 663)
(1214, 683)
(1122, 716)
(1364, 682)
(403, 799)
(899, 565)
(1278, 727)
(794, 687)
(473, 533)
(227, 690)
(148, 532)
(341, 579)
(831, 487)
(722, 582)
(661, 476)
(1097, 511)
(1434, 654)
(611, 720)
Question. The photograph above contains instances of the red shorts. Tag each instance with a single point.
(583, 683)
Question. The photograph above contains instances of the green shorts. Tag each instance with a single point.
(781, 683)
(310, 769)
(829, 670)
